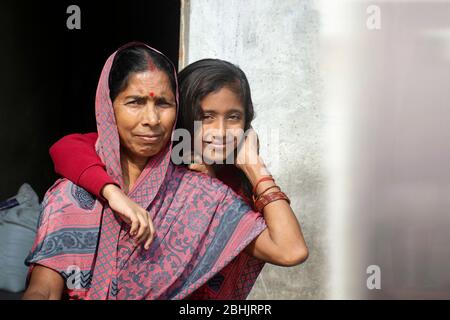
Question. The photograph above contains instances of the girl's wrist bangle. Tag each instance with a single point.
(268, 198)
(256, 197)
(265, 178)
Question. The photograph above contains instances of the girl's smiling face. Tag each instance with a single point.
(223, 122)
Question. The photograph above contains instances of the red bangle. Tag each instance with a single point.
(259, 196)
(268, 198)
(266, 178)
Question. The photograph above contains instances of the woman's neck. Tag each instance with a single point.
(132, 167)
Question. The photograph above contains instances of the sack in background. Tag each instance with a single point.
(18, 222)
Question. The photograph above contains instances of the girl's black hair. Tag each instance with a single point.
(133, 59)
(207, 76)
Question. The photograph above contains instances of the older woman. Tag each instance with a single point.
(201, 225)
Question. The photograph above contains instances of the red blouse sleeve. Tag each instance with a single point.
(75, 158)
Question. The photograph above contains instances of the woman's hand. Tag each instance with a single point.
(142, 228)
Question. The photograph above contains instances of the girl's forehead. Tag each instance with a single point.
(222, 100)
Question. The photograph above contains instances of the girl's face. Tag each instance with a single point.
(145, 113)
(223, 123)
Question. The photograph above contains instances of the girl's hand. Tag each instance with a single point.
(248, 151)
(203, 168)
(199, 166)
(142, 228)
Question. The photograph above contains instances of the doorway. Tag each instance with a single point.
(49, 73)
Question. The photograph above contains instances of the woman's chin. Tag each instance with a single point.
(147, 152)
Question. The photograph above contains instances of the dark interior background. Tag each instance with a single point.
(49, 74)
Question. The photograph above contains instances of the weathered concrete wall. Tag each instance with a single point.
(276, 44)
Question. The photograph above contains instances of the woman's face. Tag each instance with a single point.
(222, 124)
(145, 113)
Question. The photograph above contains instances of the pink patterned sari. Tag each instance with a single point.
(202, 228)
